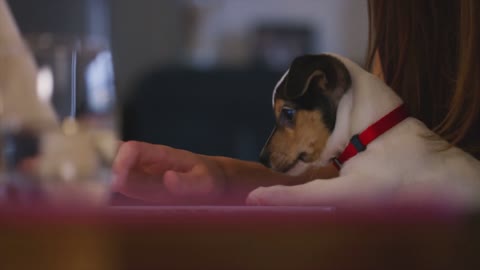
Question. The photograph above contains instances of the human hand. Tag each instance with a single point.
(162, 174)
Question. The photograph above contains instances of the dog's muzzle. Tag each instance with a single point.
(264, 158)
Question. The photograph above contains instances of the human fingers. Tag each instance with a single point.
(123, 163)
(150, 158)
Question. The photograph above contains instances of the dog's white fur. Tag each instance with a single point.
(400, 166)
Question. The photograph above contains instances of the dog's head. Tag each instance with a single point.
(305, 104)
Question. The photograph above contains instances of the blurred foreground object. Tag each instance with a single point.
(57, 124)
(238, 238)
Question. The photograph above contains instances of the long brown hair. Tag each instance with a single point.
(429, 53)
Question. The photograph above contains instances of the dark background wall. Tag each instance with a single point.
(183, 68)
(65, 17)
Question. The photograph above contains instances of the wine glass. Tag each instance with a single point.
(57, 120)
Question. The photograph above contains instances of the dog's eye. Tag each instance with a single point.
(287, 116)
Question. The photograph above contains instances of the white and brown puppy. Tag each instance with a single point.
(320, 103)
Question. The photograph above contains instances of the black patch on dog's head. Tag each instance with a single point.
(316, 82)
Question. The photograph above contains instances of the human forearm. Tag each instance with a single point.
(242, 177)
(160, 173)
(239, 173)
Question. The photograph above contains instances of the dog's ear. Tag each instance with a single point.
(328, 73)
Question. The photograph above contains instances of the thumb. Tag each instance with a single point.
(175, 182)
(188, 183)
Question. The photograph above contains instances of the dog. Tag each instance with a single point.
(321, 105)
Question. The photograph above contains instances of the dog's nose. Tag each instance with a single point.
(265, 158)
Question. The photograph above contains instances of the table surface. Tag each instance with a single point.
(233, 237)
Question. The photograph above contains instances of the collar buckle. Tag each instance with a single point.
(337, 163)
(357, 143)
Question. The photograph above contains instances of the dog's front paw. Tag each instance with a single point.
(270, 196)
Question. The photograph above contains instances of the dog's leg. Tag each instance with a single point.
(342, 191)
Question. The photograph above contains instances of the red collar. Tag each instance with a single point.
(358, 143)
